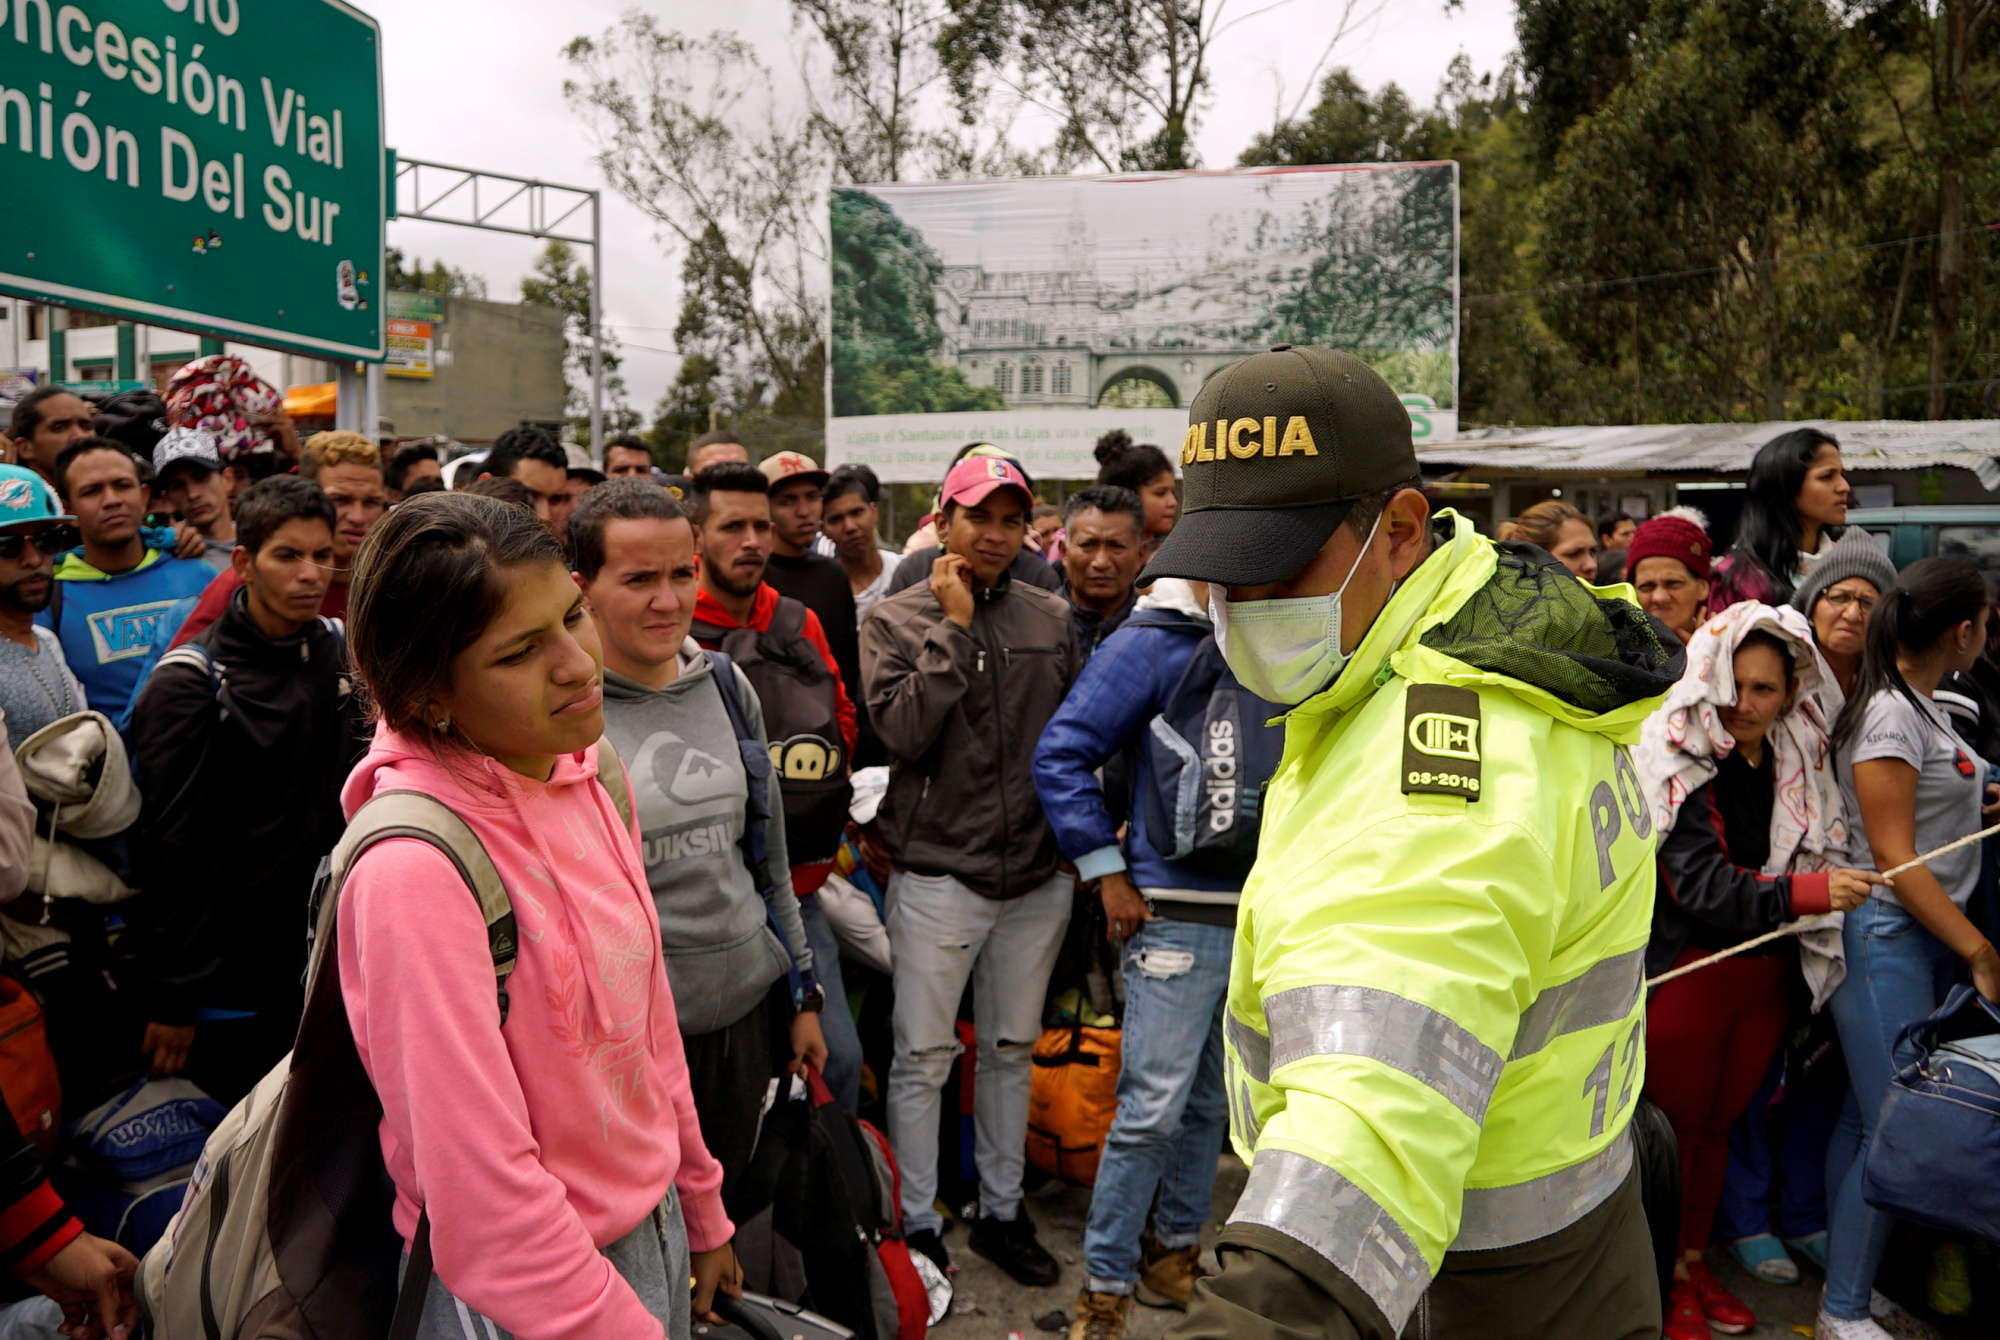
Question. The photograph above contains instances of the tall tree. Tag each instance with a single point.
(1348, 126)
(1724, 152)
(1574, 55)
(690, 132)
(882, 60)
(560, 281)
(449, 280)
(1932, 62)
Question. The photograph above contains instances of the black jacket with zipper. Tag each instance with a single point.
(242, 799)
(960, 711)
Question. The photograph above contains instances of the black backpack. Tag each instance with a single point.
(1211, 754)
(801, 701)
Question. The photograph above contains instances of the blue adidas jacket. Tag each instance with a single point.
(1126, 684)
(108, 621)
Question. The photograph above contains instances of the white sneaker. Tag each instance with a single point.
(1839, 1328)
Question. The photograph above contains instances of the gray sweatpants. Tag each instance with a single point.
(652, 1258)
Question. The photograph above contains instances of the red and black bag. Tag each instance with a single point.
(847, 1223)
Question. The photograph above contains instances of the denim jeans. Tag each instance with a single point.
(1897, 972)
(1172, 1108)
(843, 1043)
(944, 933)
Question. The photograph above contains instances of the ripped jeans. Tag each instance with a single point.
(1172, 1105)
(944, 933)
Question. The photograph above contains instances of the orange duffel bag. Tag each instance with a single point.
(27, 1069)
(1072, 1101)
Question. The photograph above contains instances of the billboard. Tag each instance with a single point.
(215, 164)
(1042, 313)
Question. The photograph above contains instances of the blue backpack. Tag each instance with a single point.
(1210, 754)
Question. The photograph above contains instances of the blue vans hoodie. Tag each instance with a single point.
(108, 619)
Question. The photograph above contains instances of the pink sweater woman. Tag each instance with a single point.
(557, 1155)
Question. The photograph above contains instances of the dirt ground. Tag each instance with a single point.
(990, 1306)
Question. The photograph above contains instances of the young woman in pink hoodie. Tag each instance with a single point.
(557, 1155)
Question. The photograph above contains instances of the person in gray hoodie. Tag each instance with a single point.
(738, 962)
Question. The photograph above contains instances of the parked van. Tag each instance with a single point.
(1911, 533)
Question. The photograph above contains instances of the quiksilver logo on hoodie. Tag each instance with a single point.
(704, 839)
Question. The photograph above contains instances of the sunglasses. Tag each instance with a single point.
(50, 540)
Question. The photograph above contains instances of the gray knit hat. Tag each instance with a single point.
(1858, 554)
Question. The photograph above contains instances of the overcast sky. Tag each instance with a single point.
(488, 94)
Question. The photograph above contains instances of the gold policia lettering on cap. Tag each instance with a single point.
(1194, 447)
(1231, 440)
(1238, 448)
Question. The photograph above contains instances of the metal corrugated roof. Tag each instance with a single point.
(1877, 444)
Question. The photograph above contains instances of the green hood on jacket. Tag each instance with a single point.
(1481, 614)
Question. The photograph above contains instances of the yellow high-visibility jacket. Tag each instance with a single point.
(1436, 1003)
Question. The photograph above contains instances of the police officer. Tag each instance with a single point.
(1435, 1000)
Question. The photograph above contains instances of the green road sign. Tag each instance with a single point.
(208, 163)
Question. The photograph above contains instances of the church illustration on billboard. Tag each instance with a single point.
(1063, 337)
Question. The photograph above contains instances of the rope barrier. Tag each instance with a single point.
(1805, 924)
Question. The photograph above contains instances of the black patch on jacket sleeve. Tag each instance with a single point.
(1442, 744)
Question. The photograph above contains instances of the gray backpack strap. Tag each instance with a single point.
(410, 814)
(611, 775)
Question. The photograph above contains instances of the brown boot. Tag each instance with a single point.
(1170, 1276)
(1100, 1316)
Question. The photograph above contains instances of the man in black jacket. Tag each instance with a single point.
(242, 738)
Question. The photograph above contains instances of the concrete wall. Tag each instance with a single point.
(499, 364)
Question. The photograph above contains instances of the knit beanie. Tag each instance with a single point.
(1670, 536)
(1858, 554)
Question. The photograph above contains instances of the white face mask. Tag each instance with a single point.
(1284, 651)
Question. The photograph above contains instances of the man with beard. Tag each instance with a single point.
(782, 647)
(36, 686)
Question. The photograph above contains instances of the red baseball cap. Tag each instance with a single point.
(973, 478)
(788, 465)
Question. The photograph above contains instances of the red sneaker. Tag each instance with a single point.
(1685, 1320)
(1724, 1310)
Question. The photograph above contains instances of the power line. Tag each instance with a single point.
(1633, 280)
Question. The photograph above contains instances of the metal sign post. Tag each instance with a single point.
(528, 207)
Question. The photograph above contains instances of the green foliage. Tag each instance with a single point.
(1574, 55)
(448, 280)
(884, 305)
(1348, 126)
(560, 281)
(885, 325)
(1687, 210)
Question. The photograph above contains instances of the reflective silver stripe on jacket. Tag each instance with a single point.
(1395, 1030)
(1253, 1049)
(1506, 1216)
(1604, 995)
(1306, 1200)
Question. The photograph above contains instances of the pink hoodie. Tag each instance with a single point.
(535, 1145)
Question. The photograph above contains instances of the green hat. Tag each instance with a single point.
(1279, 447)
